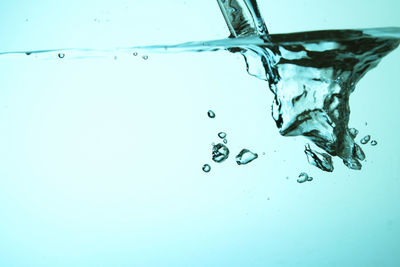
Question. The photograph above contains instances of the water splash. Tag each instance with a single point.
(245, 156)
(311, 74)
(220, 153)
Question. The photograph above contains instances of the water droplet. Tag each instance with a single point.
(245, 156)
(365, 139)
(145, 57)
(225, 141)
(206, 168)
(353, 132)
(319, 160)
(211, 114)
(220, 153)
(221, 135)
(374, 143)
(303, 177)
(135, 54)
(61, 55)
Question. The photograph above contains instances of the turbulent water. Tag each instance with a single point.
(311, 74)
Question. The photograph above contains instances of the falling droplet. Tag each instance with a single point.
(61, 55)
(245, 156)
(145, 57)
(303, 177)
(353, 132)
(222, 135)
(135, 54)
(319, 160)
(220, 153)
(206, 168)
(211, 114)
(374, 143)
(225, 141)
(365, 139)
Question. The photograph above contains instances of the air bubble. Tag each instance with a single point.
(206, 168)
(303, 177)
(135, 54)
(211, 114)
(222, 135)
(374, 143)
(220, 153)
(245, 156)
(365, 139)
(225, 141)
(145, 57)
(61, 55)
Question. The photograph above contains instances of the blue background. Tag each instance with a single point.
(100, 158)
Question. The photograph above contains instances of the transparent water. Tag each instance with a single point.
(102, 156)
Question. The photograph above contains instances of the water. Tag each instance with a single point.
(101, 158)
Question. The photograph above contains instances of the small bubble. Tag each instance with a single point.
(245, 156)
(61, 55)
(145, 57)
(365, 139)
(221, 135)
(115, 57)
(28, 53)
(206, 168)
(211, 114)
(220, 153)
(225, 141)
(263, 153)
(135, 54)
(374, 143)
(303, 177)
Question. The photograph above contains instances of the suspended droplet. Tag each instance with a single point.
(319, 160)
(206, 168)
(220, 153)
(365, 139)
(374, 143)
(221, 135)
(303, 177)
(353, 132)
(211, 114)
(245, 156)
(135, 54)
(61, 55)
(225, 141)
(145, 57)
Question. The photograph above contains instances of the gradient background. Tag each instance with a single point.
(100, 159)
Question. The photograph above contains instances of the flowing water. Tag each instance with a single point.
(108, 194)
